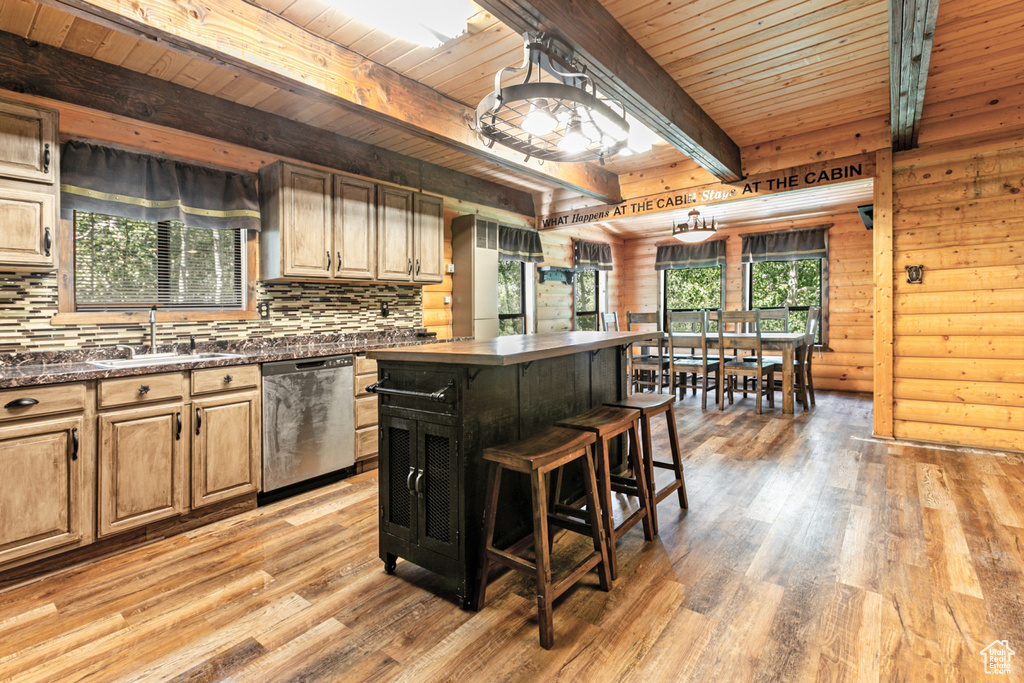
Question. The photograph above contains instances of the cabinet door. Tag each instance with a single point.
(41, 487)
(394, 234)
(355, 229)
(397, 477)
(225, 447)
(428, 237)
(142, 472)
(437, 489)
(28, 142)
(28, 216)
(307, 222)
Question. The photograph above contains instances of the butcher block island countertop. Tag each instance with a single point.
(521, 348)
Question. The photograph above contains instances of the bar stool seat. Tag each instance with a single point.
(607, 422)
(536, 456)
(651, 405)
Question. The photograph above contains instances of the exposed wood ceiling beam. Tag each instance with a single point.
(262, 44)
(625, 71)
(46, 71)
(911, 32)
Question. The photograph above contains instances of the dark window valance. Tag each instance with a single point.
(517, 244)
(703, 255)
(142, 187)
(592, 255)
(791, 245)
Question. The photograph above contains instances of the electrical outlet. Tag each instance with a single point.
(447, 300)
(449, 268)
(385, 310)
(264, 309)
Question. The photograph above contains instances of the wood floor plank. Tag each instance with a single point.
(809, 551)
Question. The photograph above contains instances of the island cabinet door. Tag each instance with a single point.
(398, 477)
(436, 487)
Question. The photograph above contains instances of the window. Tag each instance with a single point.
(125, 264)
(511, 297)
(586, 294)
(694, 289)
(796, 284)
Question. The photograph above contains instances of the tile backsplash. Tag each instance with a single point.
(27, 302)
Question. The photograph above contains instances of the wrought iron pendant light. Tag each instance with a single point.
(694, 229)
(561, 119)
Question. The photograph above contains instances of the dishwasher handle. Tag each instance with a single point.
(439, 396)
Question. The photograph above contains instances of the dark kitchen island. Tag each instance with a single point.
(442, 404)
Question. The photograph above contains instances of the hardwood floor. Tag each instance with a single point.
(809, 552)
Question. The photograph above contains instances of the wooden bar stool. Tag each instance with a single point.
(607, 422)
(537, 455)
(649, 406)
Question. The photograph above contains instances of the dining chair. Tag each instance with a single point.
(610, 321)
(759, 369)
(646, 362)
(782, 314)
(690, 322)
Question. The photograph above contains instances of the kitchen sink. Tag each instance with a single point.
(161, 359)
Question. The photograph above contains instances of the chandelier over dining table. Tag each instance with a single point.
(555, 113)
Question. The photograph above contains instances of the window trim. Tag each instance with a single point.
(67, 315)
(522, 300)
(665, 310)
(597, 299)
(823, 297)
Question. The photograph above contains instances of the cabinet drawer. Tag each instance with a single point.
(210, 380)
(366, 443)
(365, 366)
(41, 400)
(130, 391)
(366, 411)
(361, 382)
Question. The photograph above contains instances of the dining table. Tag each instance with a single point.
(787, 343)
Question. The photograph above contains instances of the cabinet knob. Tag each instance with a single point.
(199, 421)
(74, 443)
(410, 266)
(417, 266)
(21, 403)
(46, 158)
(144, 389)
(228, 378)
(47, 241)
(328, 260)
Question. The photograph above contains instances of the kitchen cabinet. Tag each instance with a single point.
(420, 505)
(29, 199)
(394, 234)
(226, 446)
(324, 226)
(355, 229)
(428, 239)
(142, 466)
(44, 501)
(365, 406)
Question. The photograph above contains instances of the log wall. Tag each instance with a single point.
(847, 366)
(958, 344)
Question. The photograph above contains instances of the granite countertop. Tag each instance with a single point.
(521, 348)
(55, 367)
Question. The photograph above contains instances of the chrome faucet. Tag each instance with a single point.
(152, 330)
(130, 349)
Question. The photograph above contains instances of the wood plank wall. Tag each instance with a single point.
(554, 299)
(959, 335)
(847, 367)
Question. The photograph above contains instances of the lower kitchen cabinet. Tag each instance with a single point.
(142, 467)
(226, 447)
(420, 505)
(43, 482)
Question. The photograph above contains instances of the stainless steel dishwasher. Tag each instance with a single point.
(308, 425)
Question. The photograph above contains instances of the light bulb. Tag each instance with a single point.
(539, 121)
(574, 140)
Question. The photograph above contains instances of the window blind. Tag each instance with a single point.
(131, 264)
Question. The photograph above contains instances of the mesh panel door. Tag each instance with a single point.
(397, 459)
(438, 505)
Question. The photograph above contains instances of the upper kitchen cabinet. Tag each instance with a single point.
(296, 240)
(428, 239)
(28, 142)
(29, 202)
(355, 229)
(410, 236)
